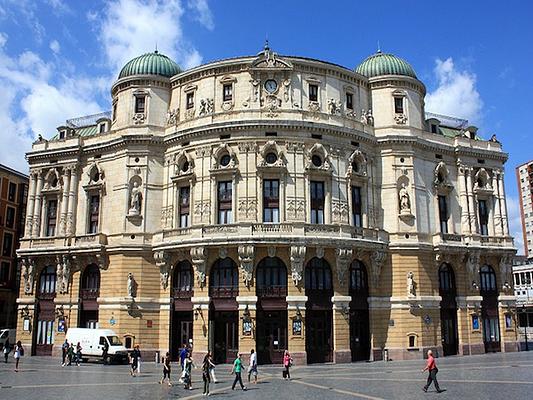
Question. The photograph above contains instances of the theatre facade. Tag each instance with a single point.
(269, 202)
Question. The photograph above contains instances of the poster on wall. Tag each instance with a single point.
(61, 326)
(475, 322)
(296, 327)
(247, 328)
(26, 325)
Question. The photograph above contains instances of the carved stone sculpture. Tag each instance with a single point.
(135, 199)
(377, 259)
(246, 260)
(162, 259)
(411, 284)
(297, 263)
(173, 116)
(199, 257)
(343, 258)
(405, 202)
(27, 270)
(131, 285)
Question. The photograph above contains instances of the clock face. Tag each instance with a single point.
(271, 85)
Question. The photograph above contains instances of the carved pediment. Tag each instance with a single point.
(272, 157)
(318, 159)
(357, 166)
(268, 60)
(441, 179)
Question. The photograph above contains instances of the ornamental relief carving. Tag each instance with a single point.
(173, 116)
(139, 118)
(207, 106)
(334, 107)
(247, 207)
(297, 263)
(339, 211)
(296, 209)
(202, 209)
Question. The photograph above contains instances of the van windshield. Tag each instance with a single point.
(114, 341)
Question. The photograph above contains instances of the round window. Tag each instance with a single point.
(185, 166)
(225, 160)
(316, 160)
(271, 158)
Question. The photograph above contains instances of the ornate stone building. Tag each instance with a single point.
(270, 202)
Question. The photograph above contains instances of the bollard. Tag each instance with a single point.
(157, 357)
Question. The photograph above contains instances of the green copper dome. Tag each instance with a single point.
(150, 64)
(385, 64)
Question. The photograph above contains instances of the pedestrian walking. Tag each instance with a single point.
(287, 364)
(78, 354)
(166, 369)
(70, 354)
(139, 360)
(252, 368)
(212, 369)
(206, 366)
(187, 372)
(183, 355)
(237, 369)
(19, 352)
(134, 360)
(64, 351)
(105, 350)
(7, 350)
(432, 369)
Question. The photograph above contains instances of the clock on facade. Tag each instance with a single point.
(271, 85)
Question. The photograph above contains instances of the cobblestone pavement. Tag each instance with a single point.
(492, 376)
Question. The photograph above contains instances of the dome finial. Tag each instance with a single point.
(379, 48)
(267, 46)
(156, 48)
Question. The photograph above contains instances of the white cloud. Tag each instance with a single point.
(515, 222)
(55, 47)
(132, 27)
(456, 94)
(203, 13)
(34, 103)
(59, 6)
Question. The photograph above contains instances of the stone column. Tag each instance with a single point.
(341, 329)
(247, 305)
(64, 203)
(72, 202)
(501, 190)
(471, 201)
(200, 330)
(463, 200)
(496, 222)
(296, 315)
(37, 206)
(31, 203)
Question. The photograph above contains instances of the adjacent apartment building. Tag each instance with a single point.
(13, 195)
(524, 175)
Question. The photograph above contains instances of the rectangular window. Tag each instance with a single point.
(4, 272)
(313, 92)
(225, 202)
(483, 217)
(398, 105)
(101, 128)
(12, 193)
(10, 217)
(317, 202)
(7, 246)
(443, 214)
(190, 100)
(271, 200)
(94, 213)
(227, 92)
(356, 207)
(140, 103)
(184, 201)
(434, 128)
(51, 218)
(349, 101)
(114, 111)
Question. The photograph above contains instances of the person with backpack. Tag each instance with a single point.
(19, 352)
(7, 350)
(64, 351)
(166, 369)
(252, 368)
(287, 363)
(237, 369)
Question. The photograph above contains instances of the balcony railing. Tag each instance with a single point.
(182, 293)
(223, 292)
(89, 294)
(46, 296)
(272, 291)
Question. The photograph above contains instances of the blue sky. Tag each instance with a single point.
(58, 58)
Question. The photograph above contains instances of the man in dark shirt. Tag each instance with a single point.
(431, 367)
(134, 357)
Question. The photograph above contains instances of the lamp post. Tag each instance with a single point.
(524, 312)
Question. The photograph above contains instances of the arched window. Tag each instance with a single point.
(446, 279)
(487, 279)
(224, 278)
(182, 279)
(47, 283)
(271, 278)
(90, 280)
(358, 279)
(318, 275)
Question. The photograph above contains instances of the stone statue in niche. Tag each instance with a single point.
(135, 199)
(370, 118)
(411, 284)
(363, 117)
(131, 285)
(405, 202)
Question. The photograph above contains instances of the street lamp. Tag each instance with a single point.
(524, 312)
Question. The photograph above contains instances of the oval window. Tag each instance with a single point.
(225, 160)
(271, 158)
(316, 160)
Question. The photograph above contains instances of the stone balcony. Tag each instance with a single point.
(269, 231)
(454, 239)
(73, 242)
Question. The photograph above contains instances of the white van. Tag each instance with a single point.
(7, 334)
(92, 343)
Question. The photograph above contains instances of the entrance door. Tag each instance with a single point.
(359, 335)
(271, 336)
(45, 338)
(318, 336)
(226, 336)
(491, 331)
(448, 320)
(181, 331)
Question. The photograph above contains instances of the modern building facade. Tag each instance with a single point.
(274, 203)
(13, 196)
(523, 289)
(524, 177)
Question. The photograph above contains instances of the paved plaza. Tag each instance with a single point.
(495, 376)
